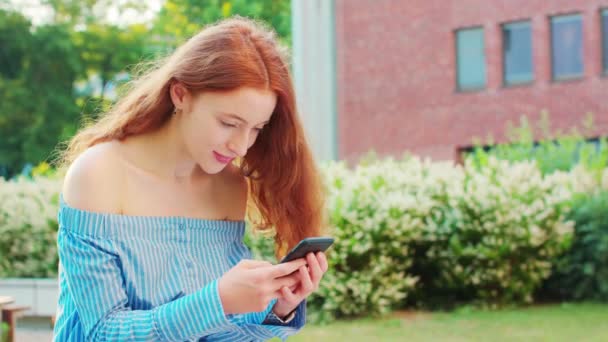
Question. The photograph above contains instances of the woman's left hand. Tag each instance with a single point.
(290, 298)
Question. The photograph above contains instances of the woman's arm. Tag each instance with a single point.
(96, 286)
(258, 324)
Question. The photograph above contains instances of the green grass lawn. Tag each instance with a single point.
(565, 322)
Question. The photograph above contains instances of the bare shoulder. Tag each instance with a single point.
(94, 180)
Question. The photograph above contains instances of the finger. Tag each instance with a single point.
(306, 283)
(288, 295)
(279, 293)
(287, 268)
(323, 261)
(248, 263)
(315, 268)
(289, 280)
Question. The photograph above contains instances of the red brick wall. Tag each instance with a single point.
(396, 74)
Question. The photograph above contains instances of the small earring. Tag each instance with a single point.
(176, 111)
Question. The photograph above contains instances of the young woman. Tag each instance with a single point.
(152, 211)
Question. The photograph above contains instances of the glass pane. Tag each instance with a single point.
(605, 38)
(470, 58)
(567, 46)
(517, 50)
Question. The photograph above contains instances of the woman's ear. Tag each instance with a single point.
(180, 96)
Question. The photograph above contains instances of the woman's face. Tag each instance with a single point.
(220, 126)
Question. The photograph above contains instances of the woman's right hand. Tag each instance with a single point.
(251, 284)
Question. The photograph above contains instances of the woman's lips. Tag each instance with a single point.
(222, 158)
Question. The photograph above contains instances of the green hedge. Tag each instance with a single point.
(4, 328)
(415, 231)
(407, 232)
(559, 151)
(28, 227)
(582, 272)
(495, 237)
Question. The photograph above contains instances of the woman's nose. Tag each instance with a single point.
(239, 144)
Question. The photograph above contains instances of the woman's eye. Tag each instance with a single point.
(228, 124)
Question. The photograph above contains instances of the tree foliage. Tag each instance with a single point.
(55, 76)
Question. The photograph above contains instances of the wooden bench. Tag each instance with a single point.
(10, 313)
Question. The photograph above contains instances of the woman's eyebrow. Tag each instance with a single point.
(234, 116)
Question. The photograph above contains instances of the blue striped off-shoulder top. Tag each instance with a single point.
(152, 278)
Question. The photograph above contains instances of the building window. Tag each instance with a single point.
(517, 53)
(567, 46)
(470, 59)
(605, 38)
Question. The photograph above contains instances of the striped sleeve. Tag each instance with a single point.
(255, 323)
(96, 285)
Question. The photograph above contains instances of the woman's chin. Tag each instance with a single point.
(213, 168)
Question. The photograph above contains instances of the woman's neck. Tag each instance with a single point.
(163, 154)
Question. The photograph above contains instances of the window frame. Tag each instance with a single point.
(554, 77)
(503, 27)
(604, 39)
(459, 88)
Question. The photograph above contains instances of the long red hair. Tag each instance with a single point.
(285, 188)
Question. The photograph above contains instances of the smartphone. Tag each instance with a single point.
(308, 245)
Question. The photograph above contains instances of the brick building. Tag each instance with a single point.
(427, 76)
